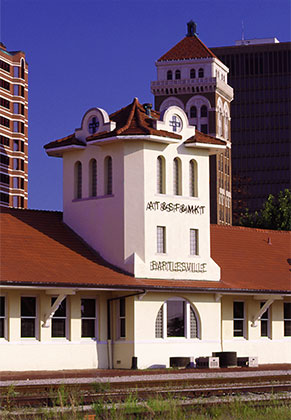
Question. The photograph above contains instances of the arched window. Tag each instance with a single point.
(203, 111)
(22, 69)
(177, 74)
(176, 318)
(169, 75)
(193, 112)
(161, 187)
(177, 177)
(225, 121)
(93, 178)
(78, 180)
(108, 175)
(192, 74)
(193, 181)
(200, 73)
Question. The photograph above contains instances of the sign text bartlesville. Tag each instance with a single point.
(187, 267)
(175, 207)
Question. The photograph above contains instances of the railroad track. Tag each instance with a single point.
(86, 394)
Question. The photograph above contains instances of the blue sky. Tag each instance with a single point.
(86, 53)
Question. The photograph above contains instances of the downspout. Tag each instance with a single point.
(218, 297)
(109, 325)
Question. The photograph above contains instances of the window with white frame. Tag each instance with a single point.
(238, 319)
(93, 178)
(177, 177)
(28, 316)
(194, 246)
(2, 316)
(265, 322)
(122, 319)
(161, 239)
(160, 175)
(287, 319)
(108, 175)
(88, 317)
(59, 320)
(193, 181)
(176, 318)
(78, 180)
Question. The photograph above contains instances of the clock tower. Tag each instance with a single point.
(190, 76)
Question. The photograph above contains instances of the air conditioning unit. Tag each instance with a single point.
(247, 361)
(207, 362)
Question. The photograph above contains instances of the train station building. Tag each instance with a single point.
(132, 269)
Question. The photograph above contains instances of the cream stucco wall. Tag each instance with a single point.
(215, 332)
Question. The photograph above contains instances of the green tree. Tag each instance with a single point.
(275, 214)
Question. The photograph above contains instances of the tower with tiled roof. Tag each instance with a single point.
(136, 189)
(190, 76)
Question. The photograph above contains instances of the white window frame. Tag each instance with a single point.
(120, 318)
(66, 336)
(5, 323)
(267, 320)
(187, 319)
(36, 318)
(95, 338)
(161, 235)
(195, 232)
(284, 320)
(240, 319)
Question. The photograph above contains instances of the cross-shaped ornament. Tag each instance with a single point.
(94, 124)
(175, 123)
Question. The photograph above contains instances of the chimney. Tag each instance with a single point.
(269, 241)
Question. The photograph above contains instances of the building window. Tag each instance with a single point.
(169, 75)
(4, 160)
(108, 175)
(203, 111)
(193, 112)
(22, 91)
(2, 316)
(238, 319)
(176, 318)
(122, 327)
(5, 103)
(4, 66)
(200, 73)
(59, 319)
(193, 181)
(161, 175)
(88, 316)
(22, 69)
(194, 248)
(93, 178)
(78, 180)
(4, 140)
(264, 322)
(5, 85)
(15, 71)
(287, 319)
(4, 178)
(161, 239)
(28, 316)
(192, 74)
(204, 128)
(5, 121)
(15, 127)
(177, 74)
(177, 177)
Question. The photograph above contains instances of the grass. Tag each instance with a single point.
(68, 405)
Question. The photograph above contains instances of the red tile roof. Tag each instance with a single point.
(65, 141)
(38, 249)
(205, 139)
(188, 48)
(130, 120)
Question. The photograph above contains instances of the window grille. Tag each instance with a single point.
(193, 324)
(159, 324)
(193, 241)
(238, 319)
(28, 316)
(88, 317)
(161, 245)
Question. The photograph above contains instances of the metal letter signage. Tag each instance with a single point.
(188, 267)
(171, 207)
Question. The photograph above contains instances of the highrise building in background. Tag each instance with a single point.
(13, 128)
(190, 76)
(260, 73)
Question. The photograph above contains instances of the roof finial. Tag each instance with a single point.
(191, 26)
